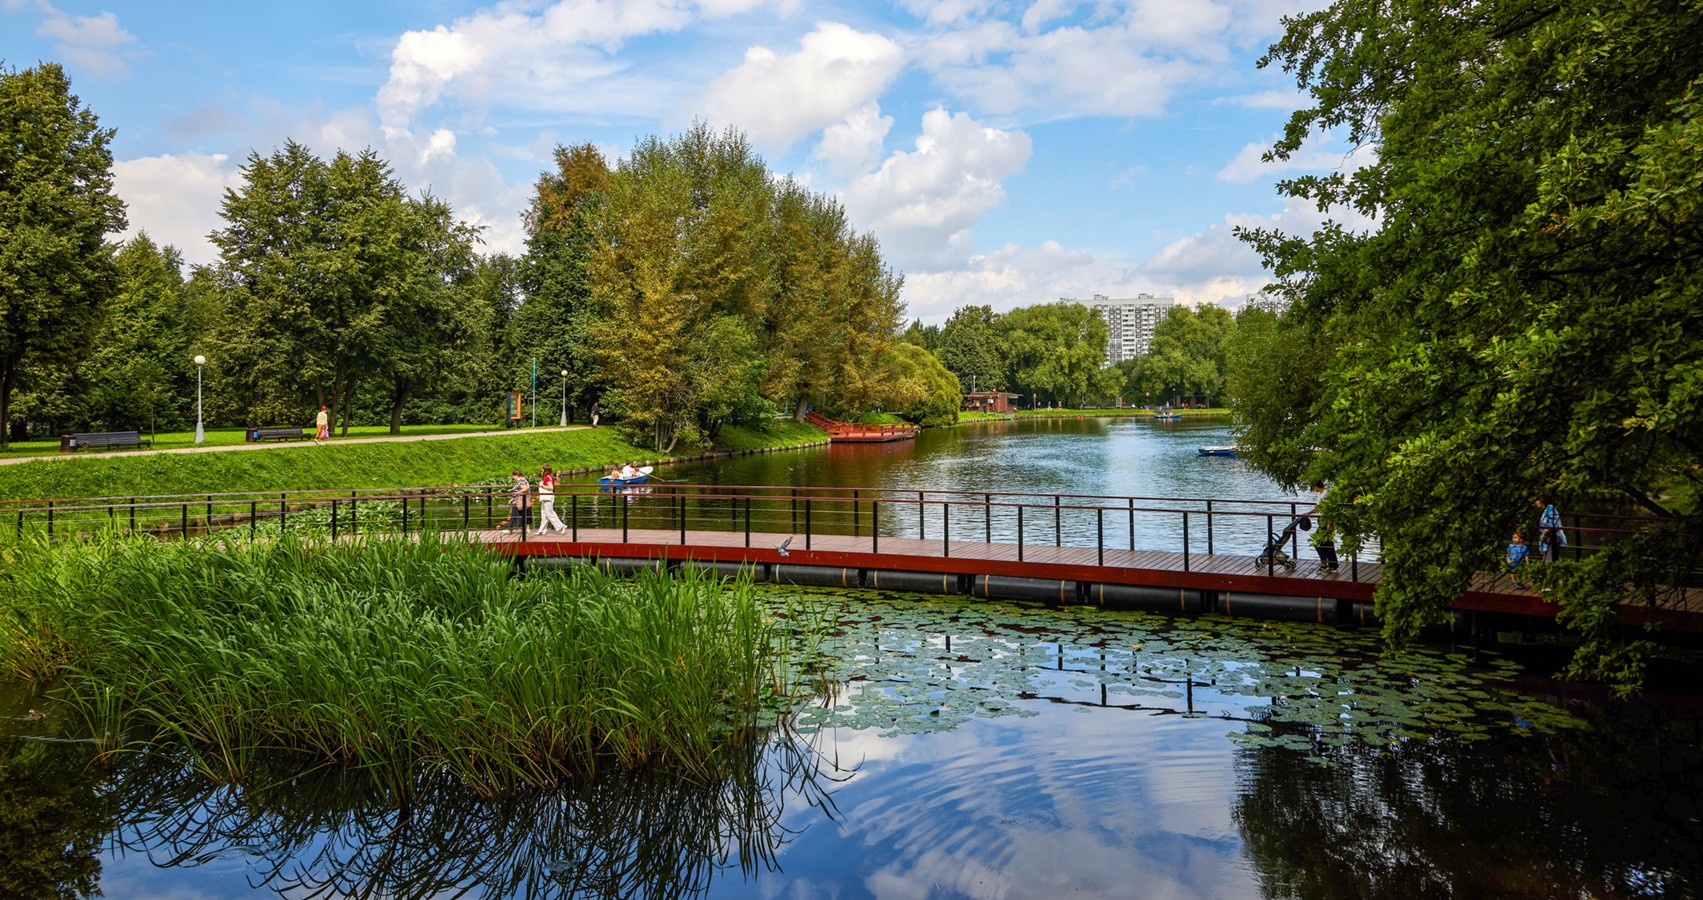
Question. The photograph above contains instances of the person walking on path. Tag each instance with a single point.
(520, 505)
(594, 414)
(547, 519)
(1550, 537)
(322, 425)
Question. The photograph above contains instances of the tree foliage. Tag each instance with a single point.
(1054, 351)
(1523, 317)
(335, 275)
(56, 208)
(920, 387)
(1186, 359)
(721, 293)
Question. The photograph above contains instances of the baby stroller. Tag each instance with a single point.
(1273, 555)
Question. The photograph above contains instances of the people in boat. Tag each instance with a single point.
(629, 471)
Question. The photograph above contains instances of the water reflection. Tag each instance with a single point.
(1607, 812)
(320, 834)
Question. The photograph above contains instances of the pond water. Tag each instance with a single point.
(961, 748)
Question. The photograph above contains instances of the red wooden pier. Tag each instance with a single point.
(860, 432)
(1178, 555)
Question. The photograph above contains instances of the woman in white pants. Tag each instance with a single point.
(547, 518)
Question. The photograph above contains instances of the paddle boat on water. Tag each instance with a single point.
(1219, 450)
(1168, 417)
(617, 480)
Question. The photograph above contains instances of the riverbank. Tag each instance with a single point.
(1115, 412)
(457, 460)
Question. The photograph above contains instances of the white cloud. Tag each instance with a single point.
(176, 199)
(1062, 58)
(778, 99)
(87, 42)
(546, 59)
(923, 203)
(1210, 266)
(946, 12)
(1328, 157)
(855, 144)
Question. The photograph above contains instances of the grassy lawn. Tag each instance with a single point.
(167, 440)
(297, 466)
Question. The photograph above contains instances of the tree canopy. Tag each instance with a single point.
(56, 209)
(1522, 318)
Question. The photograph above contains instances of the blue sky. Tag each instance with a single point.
(1003, 153)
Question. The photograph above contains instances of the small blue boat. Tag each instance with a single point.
(613, 481)
(1221, 450)
(1167, 417)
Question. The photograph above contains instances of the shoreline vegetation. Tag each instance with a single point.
(474, 458)
(390, 655)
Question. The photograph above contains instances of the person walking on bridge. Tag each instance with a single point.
(547, 518)
(1550, 537)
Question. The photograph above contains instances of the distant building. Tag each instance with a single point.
(990, 401)
(1268, 301)
(1129, 323)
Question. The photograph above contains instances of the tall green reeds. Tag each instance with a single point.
(387, 654)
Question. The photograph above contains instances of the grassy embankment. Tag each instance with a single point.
(389, 655)
(468, 460)
(216, 437)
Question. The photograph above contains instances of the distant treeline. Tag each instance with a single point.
(1053, 354)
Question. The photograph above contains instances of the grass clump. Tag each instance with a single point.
(387, 655)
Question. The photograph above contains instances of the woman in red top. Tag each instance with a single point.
(547, 519)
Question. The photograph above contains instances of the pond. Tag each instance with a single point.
(963, 748)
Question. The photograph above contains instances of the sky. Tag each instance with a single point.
(1003, 153)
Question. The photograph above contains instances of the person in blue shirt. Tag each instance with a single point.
(1516, 559)
(1550, 537)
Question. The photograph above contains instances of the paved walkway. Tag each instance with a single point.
(373, 439)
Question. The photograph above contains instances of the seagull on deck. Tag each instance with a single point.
(782, 548)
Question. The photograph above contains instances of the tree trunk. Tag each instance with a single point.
(798, 413)
(6, 366)
(348, 405)
(403, 385)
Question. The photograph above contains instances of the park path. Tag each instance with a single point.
(218, 448)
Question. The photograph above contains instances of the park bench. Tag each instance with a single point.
(277, 433)
(70, 442)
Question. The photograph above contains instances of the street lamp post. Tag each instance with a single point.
(200, 433)
(564, 398)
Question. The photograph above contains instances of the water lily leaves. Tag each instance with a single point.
(926, 663)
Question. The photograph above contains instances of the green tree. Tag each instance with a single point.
(141, 365)
(924, 336)
(920, 387)
(336, 276)
(1272, 383)
(970, 347)
(56, 208)
(677, 270)
(1522, 318)
(1054, 351)
(555, 323)
(833, 309)
(426, 331)
(1186, 358)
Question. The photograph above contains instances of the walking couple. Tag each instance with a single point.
(520, 504)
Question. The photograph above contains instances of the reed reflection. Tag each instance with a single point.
(328, 834)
